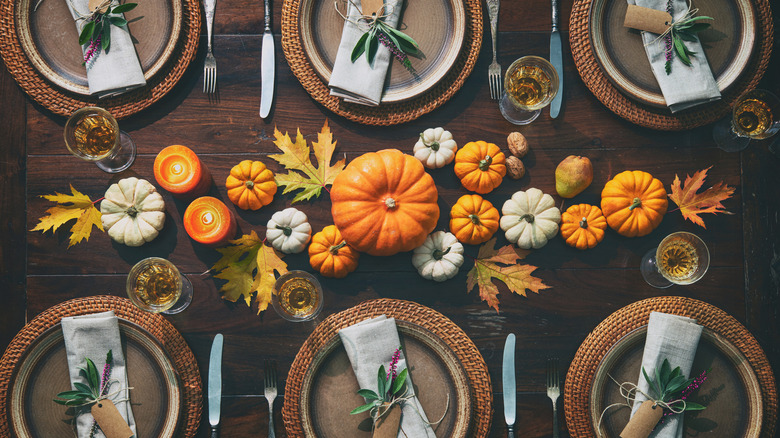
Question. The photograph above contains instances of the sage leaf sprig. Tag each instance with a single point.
(670, 386)
(97, 30)
(683, 30)
(90, 393)
(391, 388)
(399, 43)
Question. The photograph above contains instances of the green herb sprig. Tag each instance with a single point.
(391, 388)
(684, 30)
(97, 31)
(399, 43)
(88, 394)
(669, 383)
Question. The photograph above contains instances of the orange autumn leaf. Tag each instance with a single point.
(501, 265)
(693, 204)
(74, 206)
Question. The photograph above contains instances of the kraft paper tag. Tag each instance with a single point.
(388, 425)
(650, 20)
(371, 6)
(110, 420)
(93, 4)
(644, 420)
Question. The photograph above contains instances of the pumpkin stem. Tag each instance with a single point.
(390, 203)
(286, 230)
(584, 223)
(438, 254)
(434, 146)
(250, 185)
(528, 217)
(485, 163)
(635, 203)
(334, 249)
(475, 219)
(132, 211)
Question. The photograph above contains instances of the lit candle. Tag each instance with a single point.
(178, 170)
(209, 221)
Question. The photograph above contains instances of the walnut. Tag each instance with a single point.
(518, 145)
(515, 167)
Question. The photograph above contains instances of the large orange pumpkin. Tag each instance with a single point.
(384, 203)
(473, 219)
(480, 166)
(634, 203)
(330, 255)
(250, 185)
(583, 226)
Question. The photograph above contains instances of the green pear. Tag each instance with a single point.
(573, 175)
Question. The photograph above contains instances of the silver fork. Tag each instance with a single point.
(210, 65)
(494, 69)
(270, 394)
(553, 390)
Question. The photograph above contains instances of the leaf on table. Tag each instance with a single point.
(74, 206)
(302, 173)
(268, 261)
(693, 204)
(501, 265)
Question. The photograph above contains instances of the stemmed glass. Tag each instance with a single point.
(530, 84)
(297, 296)
(156, 285)
(93, 134)
(756, 115)
(681, 258)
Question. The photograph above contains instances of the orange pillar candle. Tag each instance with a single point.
(178, 170)
(209, 221)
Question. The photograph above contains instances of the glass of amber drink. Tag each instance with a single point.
(156, 285)
(530, 84)
(681, 258)
(93, 134)
(756, 115)
(297, 296)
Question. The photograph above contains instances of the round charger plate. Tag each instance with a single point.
(727, 45)
(50, 40)
(731, 392)
(42, 372)
(329, 390)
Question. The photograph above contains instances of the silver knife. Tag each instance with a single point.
(556, 59)
(508, 380)
(267, 65)
(215, 384)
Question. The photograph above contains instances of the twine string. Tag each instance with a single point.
(365, 20)
(108, 396)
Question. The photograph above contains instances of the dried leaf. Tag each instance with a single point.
(74, 206)
(303, 174)
(268, 261)
(516, 277)
(693, 204)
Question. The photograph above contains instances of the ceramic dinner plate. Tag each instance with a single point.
(329, 390)
(728, 45)
(438, 26)
(42, 372)
(49, 38)
(731, 392)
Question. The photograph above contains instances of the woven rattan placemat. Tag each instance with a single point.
(386, 113)
(583, 367)
(435, 322)
(660, 118)
(64, 102)
(154, 324)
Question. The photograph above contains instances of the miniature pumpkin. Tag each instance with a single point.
(384, 203)
(583, 226)
(473, 220)
(634, 203)
(439, 257)
(530, 219)
(250, 185)
(480, 166)
(288, 231)
(133, 212)
(435, 148)
(330, 255)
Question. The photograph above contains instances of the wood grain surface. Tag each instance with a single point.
(38, 271)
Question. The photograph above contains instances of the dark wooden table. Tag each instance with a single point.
(38, 271)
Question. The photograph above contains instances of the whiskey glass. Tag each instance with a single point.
(681, 258)
(530, 84)
(156, 285)
(93, 134)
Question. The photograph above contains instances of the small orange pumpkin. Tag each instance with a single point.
(583, 226)
(330, 255)
(473, 220)
(250, 185)
(634, 203)
(480, 166)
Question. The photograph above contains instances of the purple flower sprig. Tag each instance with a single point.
(671, 387)
(393, 373)
(97, 30)
(668, 42)
(398, 53)
(399, 43)
(391, 387)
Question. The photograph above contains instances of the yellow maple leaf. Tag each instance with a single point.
(268, 261)
(693, 204)
(74, 206)
(302, 173)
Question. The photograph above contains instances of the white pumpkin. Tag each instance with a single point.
(289, 231)
(439, 257)
(530, 219)
(435, 148)
(133, 212)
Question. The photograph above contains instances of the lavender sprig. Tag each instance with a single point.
(399, 43)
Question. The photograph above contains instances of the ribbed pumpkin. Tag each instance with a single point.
(473, 219)
(250, 185)
(634, 203)
(583, 226)
(330, 255)
(480, 166)
(384, 203)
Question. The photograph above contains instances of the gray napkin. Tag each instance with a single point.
(686, 86)
(361, 82)
(668, 337)
(91, 336)
(371, 343)
(117, 71)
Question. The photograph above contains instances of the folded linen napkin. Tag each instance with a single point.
(686, 86)
(674, 338)
(370, 344)
(361, 82)
(119, 70)
(91, 336)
